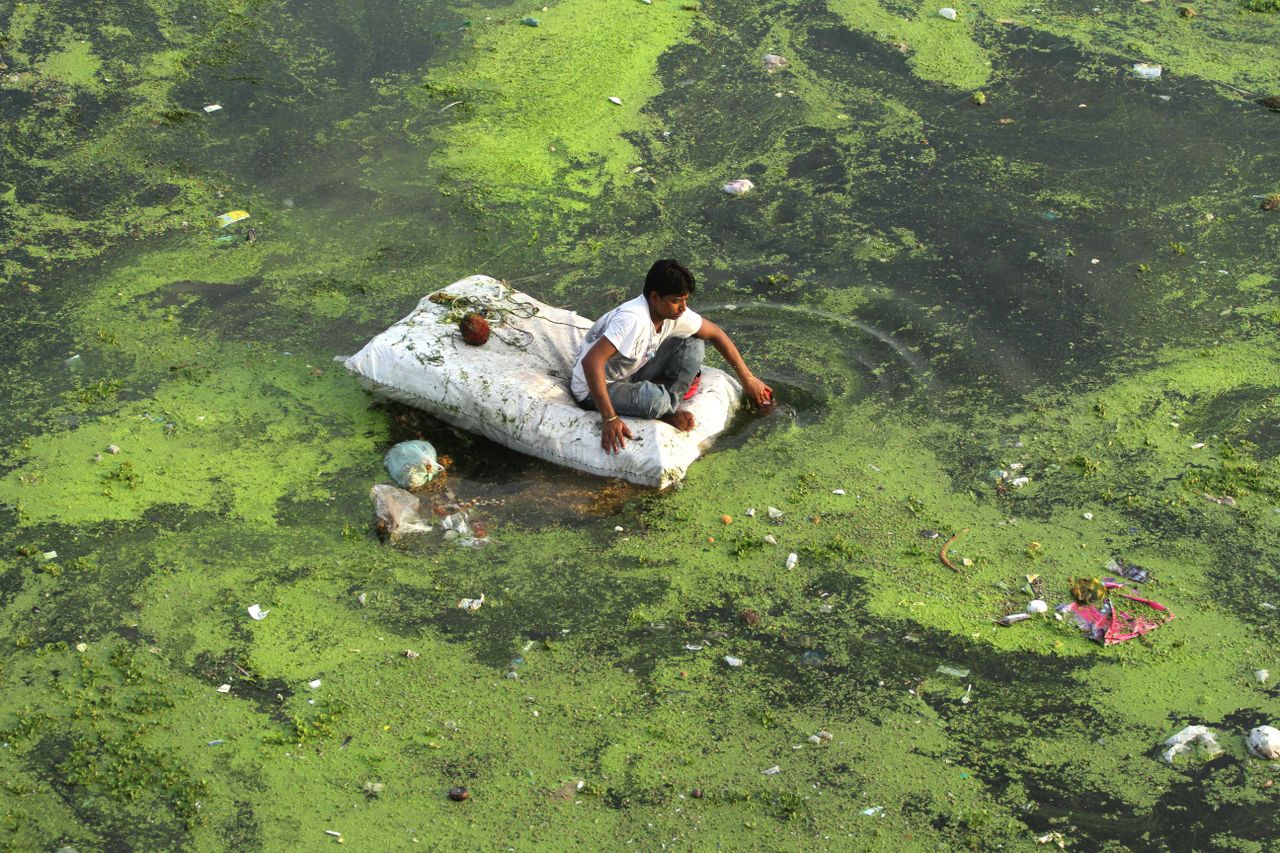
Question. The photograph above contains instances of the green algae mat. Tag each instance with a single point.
(1019, 301)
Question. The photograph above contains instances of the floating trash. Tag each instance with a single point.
(257, 612)
(792, 559)
(315, 684)
(232, 216)
(775, 513)
(333, 833)
(1190, 737)
(412, 463)
(773, 771)
(742, 186)
(948, 13)
(873, 811)
(613, 99)
(1261, 676)
(213, 108)
(218, 742)
(471, 603)
(732, 661)
(954, 672)
(770, 539)
(1037, 606)
(84, 647)
(224, 688)
(530, 22)
(1133, 572)
(750, 513)
(1147, 70)
(837, 491)
(773, 62)
(1012, 619)
(411, 654)
(1264, 742)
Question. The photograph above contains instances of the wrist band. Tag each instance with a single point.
(612, 419)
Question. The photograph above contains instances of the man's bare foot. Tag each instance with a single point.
(681, 420)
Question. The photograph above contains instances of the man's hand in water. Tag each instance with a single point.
(758, 393)
(614, 435)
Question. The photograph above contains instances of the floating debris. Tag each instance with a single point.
(113, 449)
(770, 539)
(49, 555)
(726, 519)
(1261, 676)
(224, 688)
(1147, 70)
(232, 216)
(792, 559)
(1190, 737)
(750, 513)
(411, 654)
(948, 13)
(749, 616)
(821, 737)
(1037, 606)
(333, 833)
(873, 811)
(1012, 619)
(1197, 445)
(1264, 742)
(954, 672)
(458, 793)
(217, 742)
(613, 99)
(373, 789)
(741, 186)
(773, 771)
(257, 612)
(1088, 516)
(531, 22)
(1224, 500)
(732, 661)
(775, 513)
(314, 685)
(471, 603)
(1120, 568)
(773, 62)
(837, 491)
(929, 533)
(84, 647)
(212, 108)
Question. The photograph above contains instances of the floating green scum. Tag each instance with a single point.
(1070, 284)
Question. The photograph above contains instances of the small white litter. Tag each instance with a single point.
(837, 491)
(82, 647)
(224, 688)
(732, 661)
(213, 108)
(50, 555)
(314, 684)
(1261, 676)
(773, 771)
(1197, 445)
(1147, 70)
(792, 559)
(750, 513)
(1019, 482)
(742, 186)
(1037, 605)
(770, 539)
(873, 811)
(1190, 737)
(773, 62)
(257, 612)
(471, 603)
(613, 99)
(775, 513)
(947, 12)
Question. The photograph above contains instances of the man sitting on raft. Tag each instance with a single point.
(644, 358)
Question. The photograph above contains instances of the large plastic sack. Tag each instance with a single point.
(515, 389)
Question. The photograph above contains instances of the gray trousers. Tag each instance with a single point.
(657, 388)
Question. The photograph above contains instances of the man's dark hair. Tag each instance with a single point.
(669, 277)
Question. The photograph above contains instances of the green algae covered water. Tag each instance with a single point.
(977, 250)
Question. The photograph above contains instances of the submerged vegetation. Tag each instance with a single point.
(1017, 334)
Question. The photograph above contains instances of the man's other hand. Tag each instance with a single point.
(758, 393)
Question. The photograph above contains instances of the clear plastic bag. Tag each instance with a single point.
(397, 511)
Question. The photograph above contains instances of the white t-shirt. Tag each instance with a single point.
(629, 328)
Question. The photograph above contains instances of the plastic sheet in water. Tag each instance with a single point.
(412, 463)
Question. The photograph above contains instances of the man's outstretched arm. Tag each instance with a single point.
(614, 432)
(757, 392)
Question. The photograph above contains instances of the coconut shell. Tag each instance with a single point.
(475, 329)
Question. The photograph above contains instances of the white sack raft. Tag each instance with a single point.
(515, 388)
